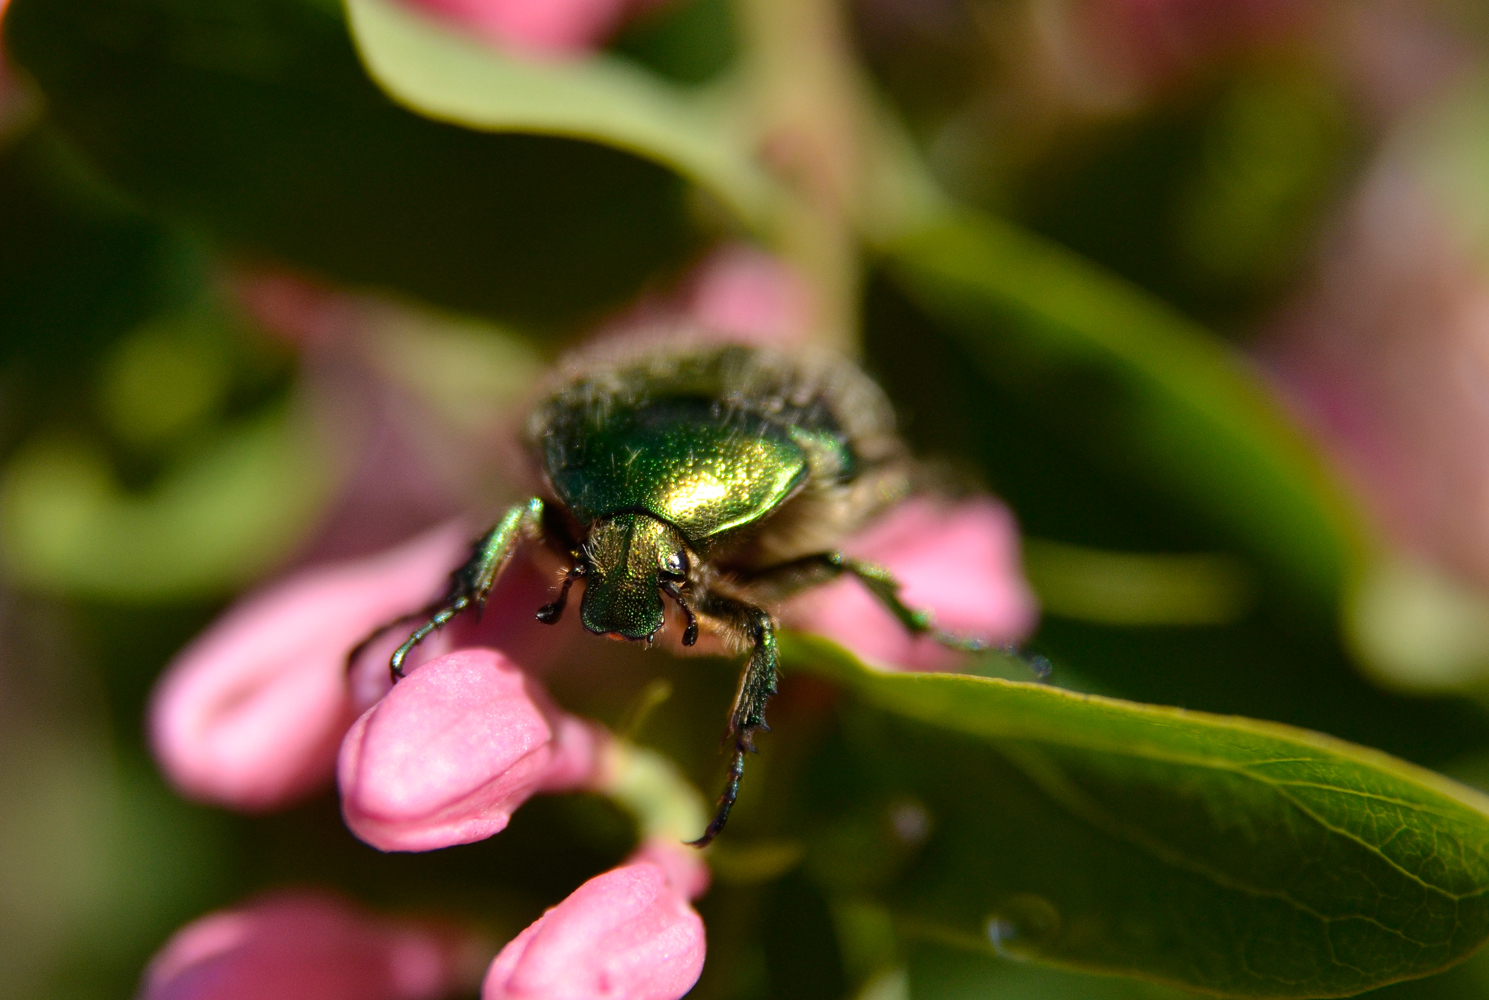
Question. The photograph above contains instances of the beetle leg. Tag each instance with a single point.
(382, 630)
(471, 584)
(809, 571)
(756, 684)
(690, 631)
(549, 614)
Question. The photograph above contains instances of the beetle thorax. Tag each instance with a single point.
(627, 559)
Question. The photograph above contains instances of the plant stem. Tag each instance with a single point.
(809, 114)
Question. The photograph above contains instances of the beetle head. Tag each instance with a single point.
(628, 558)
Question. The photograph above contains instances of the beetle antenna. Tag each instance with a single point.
(549, 614)
(690, 633)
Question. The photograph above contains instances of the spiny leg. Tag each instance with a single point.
(809, 571)
(883, 585)
(550, 613)
(356, 651)
(756, 684)
(471, 584)
(690, 630)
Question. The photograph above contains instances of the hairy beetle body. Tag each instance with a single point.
(719, 477)
(737, 436)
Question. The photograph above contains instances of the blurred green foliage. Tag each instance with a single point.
(255, 122)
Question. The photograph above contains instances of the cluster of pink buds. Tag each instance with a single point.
(261, 711)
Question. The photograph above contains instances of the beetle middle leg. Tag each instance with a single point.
(785, 579)
(471, 584)
(756, 684)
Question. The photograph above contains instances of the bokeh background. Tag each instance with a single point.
(254, 316)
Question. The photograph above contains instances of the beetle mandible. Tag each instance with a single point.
(719, 477)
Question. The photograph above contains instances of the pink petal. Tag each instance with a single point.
(624, 935)
(746, 294)
(250, 714)
(542, 27)
(686, 871)
(304, 945)
(960, 561)
(295, 307)
(1384, 358)
(453, 750)
(736, 294)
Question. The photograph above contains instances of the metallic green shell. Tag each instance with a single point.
(713, 438)
(688, 462)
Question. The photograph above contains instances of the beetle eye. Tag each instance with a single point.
(675, 565)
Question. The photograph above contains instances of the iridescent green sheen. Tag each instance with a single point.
(627, 554)
(681, 460)
(717, 477)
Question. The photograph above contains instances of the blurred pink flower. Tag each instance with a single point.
(306, 945)
(959, 561)
(1112, 50)
(1387, 357)
(744, 293)
(628, 934)
(249, 715)
(545, 27)
(737, 292)
(296, 307)
(454, 749)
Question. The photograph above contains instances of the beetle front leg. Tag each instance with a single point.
(550, 613)
(756, 685)
(471, 584)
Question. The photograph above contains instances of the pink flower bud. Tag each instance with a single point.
(628, 934)
(552, 27)
(454, 749)
(295, 307)
(746, 294)
(958, 561)
(304, 945)
(684, 866)
(250, 714)
(736, 294)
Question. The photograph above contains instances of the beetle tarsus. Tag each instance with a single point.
(726, 800)
(436, 622)
(756, 685)
(690, 631)
(550, 613)
(472, 582)
(355, 653)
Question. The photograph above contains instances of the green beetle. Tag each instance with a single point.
(719, 477)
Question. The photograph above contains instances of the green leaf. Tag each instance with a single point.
(1157, 392)
(254, 122)
(1219, 854)
(451, 76)
(211, 525)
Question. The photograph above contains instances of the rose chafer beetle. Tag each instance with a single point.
(720, 478)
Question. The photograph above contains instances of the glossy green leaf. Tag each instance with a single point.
(1220, 854)
(1159, 395)
(253, 121)
(451, 76)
